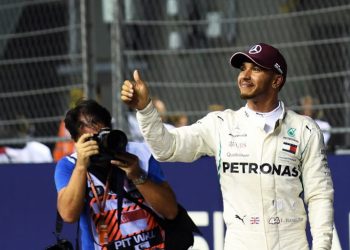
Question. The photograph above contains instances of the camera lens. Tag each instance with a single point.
(116, 141)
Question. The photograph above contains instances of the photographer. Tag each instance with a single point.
(98, 183)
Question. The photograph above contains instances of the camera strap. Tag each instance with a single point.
(58, 230)
(59, 226)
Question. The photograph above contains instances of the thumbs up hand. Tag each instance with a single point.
(135, 93)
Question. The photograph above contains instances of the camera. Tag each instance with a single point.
(110, 143)
(61, 245)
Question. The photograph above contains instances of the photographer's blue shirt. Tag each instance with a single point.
(64, 170)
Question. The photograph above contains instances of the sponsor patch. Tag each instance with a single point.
(229, 154)
(289, 147)
(274, 220)
(264, 168)
(240, 218)
(293, 220)
(291, 132)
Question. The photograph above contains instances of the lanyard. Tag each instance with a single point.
(101, 204)
(102, 228)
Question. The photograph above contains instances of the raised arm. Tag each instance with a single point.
(187, 143)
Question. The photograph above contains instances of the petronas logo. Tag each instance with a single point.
(291, 132)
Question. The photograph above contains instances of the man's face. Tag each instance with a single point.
(255, 83)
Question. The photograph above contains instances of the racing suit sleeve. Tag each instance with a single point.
(318, 189)
(184, 144)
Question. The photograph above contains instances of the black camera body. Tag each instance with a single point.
(61, 245)
(110, 143)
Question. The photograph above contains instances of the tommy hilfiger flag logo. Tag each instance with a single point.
(289, 147)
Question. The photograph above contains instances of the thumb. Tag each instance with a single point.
(137, 76)
(141, 91)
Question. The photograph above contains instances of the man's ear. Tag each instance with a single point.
(278, 82)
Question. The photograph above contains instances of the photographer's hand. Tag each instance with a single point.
(129, 163)
(85, 148)
(70, 200)
(158, 195)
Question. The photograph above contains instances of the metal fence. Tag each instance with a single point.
(53, 51)
(182, 48)
(40, 66)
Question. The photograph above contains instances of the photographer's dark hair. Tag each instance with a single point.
(91, 109)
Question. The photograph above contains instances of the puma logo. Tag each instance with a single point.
(241, 219)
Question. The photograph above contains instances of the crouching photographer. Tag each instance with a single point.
(115, 188)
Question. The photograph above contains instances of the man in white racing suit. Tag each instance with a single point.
(270, 161)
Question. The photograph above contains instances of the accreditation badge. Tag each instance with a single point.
(102, 232)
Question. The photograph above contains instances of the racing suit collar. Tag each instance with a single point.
(267, 121)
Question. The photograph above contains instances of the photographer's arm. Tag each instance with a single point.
(70, 199)
(159, 195)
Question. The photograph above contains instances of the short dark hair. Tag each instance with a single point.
(89, 108)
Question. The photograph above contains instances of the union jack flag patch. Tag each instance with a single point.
(254, 220)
